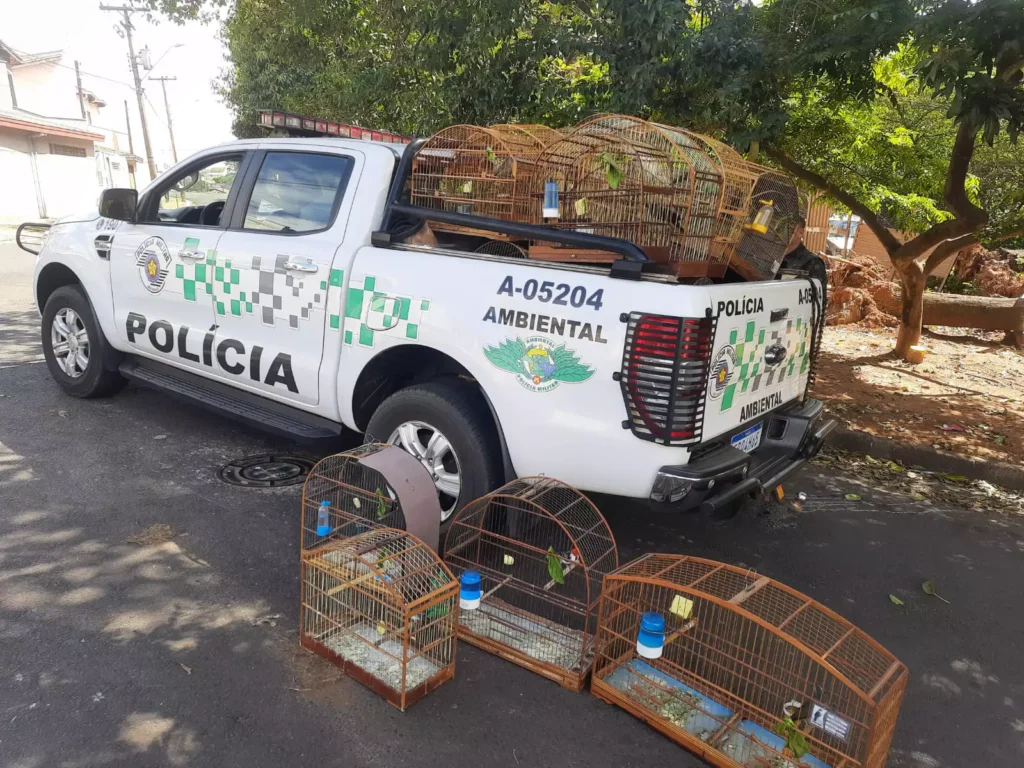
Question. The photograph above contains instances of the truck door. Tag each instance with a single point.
(277, 263)
(161, 266)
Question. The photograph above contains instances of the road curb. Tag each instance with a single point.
(997, 472)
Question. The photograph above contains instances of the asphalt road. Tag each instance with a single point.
(112, 654)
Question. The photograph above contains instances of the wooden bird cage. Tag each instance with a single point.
(359, 498)
(383, 607)
(540, 135)
(758, 253)
(749, 671)
(541, 549)
(679, 196)
(474, 170)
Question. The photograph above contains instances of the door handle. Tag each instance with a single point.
(191, 255)
(300, 266)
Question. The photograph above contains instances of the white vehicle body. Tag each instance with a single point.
(299, 319)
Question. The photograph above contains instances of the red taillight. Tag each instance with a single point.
(664, 376)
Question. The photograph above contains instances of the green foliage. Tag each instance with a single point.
(382, 509)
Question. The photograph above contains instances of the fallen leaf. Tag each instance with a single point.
(155, 534)
(852, 497)
(188, 670)
(917, 496)
(894, 467)
(159, 437)
(896, 601)
(270, 619)
(999, 439)
(956, 478)
(952, 428)
(929, 589)
(62, 414)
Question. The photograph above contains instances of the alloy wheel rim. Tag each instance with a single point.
(433, 450)
(69, 341)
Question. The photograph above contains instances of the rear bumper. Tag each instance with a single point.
(792, 436)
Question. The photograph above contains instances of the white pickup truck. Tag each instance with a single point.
(269, 280)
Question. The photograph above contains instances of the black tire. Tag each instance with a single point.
(458, 410)
(100, 377)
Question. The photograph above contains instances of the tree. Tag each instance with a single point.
(879, 103)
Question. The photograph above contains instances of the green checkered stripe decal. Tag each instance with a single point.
(750, 343)
(264, 287)
(370, 312)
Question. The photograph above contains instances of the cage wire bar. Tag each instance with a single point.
(382, 606)
(541, 548)
(359, 497)
(475, 170)
(741, 653)
(540, 135)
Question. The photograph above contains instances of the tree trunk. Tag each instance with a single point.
(912, 310)
(982, 312)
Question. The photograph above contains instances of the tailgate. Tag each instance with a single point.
(761, 356)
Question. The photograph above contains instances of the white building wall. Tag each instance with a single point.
(17, 189)
(69, 184)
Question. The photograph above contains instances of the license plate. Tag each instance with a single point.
(748, 439)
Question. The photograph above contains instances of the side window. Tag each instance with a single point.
(296, 192)
(198, 197)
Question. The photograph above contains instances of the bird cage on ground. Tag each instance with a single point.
(474, 170)
(358, 498)
(742, 670)
(383, 607)
(772, 217)
(541, 549)
(677, 195)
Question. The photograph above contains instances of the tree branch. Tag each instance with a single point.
(944, 250)
(945, 230)
(889, 241)
(955, 192)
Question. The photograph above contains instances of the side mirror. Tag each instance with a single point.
(119, 204)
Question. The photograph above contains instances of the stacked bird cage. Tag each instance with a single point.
(383, 607)
(742, 670)
(343, 497)
(773, 214)
(659, 187)
(531, 557)
(539, 135)
(474, 170)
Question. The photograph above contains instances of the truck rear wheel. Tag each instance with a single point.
(447, 426)
(77, 353)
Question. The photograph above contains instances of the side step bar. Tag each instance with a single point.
(236, 404)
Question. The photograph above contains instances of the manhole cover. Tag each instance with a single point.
(266, 471)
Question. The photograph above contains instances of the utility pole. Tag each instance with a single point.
(131, 145)
(81, 94)
(167, 108)
(126, 23)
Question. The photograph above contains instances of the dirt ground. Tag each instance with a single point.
(967, 397)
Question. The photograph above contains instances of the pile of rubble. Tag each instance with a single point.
(857, 286)
(862, 291)
(993, 273)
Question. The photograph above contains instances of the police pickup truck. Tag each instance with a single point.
(272, 280)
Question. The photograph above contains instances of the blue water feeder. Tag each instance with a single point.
(549, 210)
(650, 640)
(323, 519)
(469, 592)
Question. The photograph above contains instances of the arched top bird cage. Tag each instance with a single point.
(474, 170)
(659, 187)
(771, 218)
(540, 135)
(382, 606)
(743, 670)
(358, 498)
(541, 549)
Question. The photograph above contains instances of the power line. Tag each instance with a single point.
(65, 66)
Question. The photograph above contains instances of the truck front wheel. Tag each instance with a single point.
(76, 351)
(447, 426)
